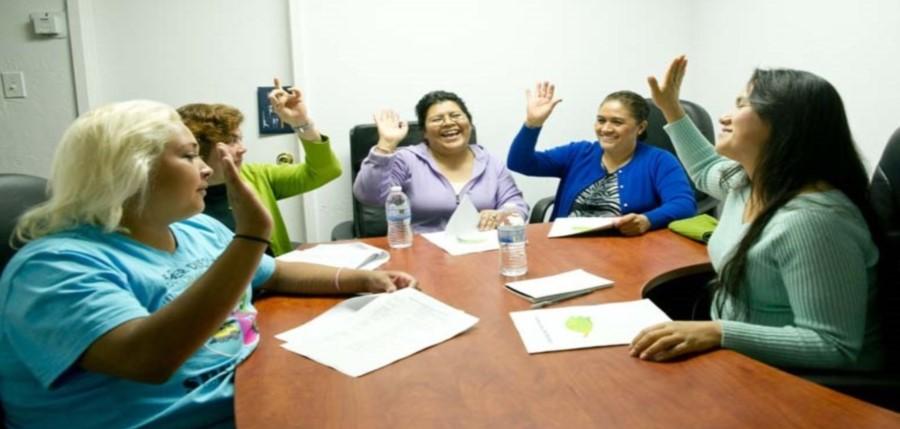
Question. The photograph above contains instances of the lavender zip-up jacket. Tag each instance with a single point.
(431, 196)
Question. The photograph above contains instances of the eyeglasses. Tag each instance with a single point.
(455, 117)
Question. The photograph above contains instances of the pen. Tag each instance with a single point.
(543, 304)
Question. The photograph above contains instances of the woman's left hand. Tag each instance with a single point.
(667, 340)
(387, 281)
(633, 224)
(289, 105)
(488, 220)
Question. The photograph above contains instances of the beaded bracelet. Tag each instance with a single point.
(252, 238)
(337, 278)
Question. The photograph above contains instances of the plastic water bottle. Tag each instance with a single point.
(399, 215)
(511, 235)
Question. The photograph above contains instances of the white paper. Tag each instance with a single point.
(348, 255)
(464, 220)
(559, 284)
(566, 226)
(356, 340)
(481, 241)
(585, 326)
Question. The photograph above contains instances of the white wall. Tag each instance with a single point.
(855, 45)
(179, 52)
(30, 127)
(358, 57)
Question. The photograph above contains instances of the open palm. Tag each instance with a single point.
(540, 103)
(391, 130)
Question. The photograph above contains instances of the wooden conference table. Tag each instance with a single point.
(484, 377)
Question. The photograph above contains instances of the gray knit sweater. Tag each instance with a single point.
(810, 278)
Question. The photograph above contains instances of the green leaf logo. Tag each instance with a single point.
(580, 324)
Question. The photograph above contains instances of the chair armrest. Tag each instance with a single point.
(539, 212)
(342, 231)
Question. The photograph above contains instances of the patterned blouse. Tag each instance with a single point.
(600, 199)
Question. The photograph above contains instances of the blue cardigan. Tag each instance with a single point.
(653, 183)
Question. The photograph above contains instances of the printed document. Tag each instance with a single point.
(566, 226)
(365, 333)
(575, 282)
(348, 255)
(584, 326)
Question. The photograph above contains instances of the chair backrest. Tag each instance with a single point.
(884, 193)
(369, 221)
(885, 190)
(656, 136)
(18, 193)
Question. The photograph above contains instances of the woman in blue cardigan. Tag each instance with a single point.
(616, 176)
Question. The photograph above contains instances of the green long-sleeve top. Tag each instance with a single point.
(274, 182)
(809, 284)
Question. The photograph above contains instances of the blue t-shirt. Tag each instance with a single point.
(62, 292)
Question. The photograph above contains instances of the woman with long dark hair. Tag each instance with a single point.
(795, 250)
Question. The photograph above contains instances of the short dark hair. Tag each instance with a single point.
(435, 97)
(210, 123)
(636, 105)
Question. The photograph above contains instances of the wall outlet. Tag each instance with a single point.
(13, 84)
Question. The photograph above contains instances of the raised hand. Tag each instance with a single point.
(666, 94)
(289, 105)
(391, 130)
(540, 104)
(250, 216)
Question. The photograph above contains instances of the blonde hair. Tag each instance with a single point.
(103, 160)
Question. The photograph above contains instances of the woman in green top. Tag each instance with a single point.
(795, 249)
(220, 123)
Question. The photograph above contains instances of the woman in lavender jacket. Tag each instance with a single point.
(438, 172)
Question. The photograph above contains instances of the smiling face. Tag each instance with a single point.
(447, 128)
(178, 181)
(743, 134)
(235, 147)
(617, 129)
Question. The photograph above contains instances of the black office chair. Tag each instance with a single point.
(370, 221)
(656, 136)
(18, 192)
(882, 387)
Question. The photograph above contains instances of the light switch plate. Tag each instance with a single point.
(13, 84)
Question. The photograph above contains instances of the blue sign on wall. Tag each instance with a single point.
(269, 122)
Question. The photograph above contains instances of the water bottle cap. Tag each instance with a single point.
(396, 188)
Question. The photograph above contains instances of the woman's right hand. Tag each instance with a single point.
(391, 130)
(666, 96)
(250, 216)
(540, 104)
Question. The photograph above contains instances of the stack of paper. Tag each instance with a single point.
(558, 287)
(566, 226)
(585, 326)
(368, 332)
(348, 255)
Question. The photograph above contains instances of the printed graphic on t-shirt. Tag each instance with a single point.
(237, 335)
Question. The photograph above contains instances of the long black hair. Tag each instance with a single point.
(810, 143)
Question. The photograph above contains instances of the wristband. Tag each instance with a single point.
(302, 128)
(252, 238)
